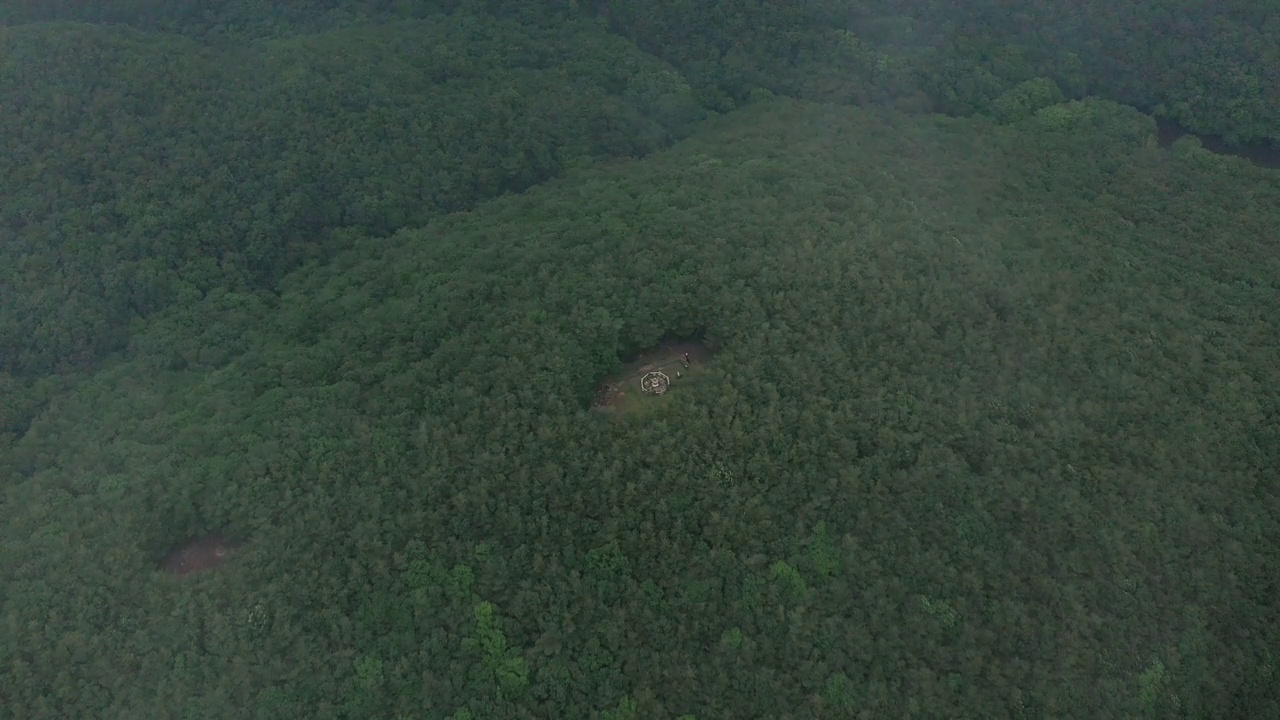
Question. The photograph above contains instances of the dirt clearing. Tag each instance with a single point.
(646, 382)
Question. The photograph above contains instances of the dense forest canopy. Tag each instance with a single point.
(1212, 67)
(179, 171)
(303, 308)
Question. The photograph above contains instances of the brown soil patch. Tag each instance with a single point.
(622, 393)
(199, 554)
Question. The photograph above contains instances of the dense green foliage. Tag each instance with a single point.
(727, 50)
(991, 427)
(141, 170)
(1212, 67)
(247, 137)
(994, 421)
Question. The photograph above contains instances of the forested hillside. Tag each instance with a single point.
(990, 430)
(177, 148)
(142, 170)
(314, 317)
(1212, 67)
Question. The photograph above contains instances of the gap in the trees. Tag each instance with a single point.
(1261, 153)
(199, 554)
(647, 378)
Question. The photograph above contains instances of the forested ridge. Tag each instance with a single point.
(1212, 67)
(143, 171)
(258, 133)
(989, 428)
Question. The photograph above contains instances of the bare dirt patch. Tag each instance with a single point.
(676, 360)
(199, 554)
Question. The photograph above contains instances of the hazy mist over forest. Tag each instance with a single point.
(556, 359)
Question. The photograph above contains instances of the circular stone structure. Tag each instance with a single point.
(655, 383)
